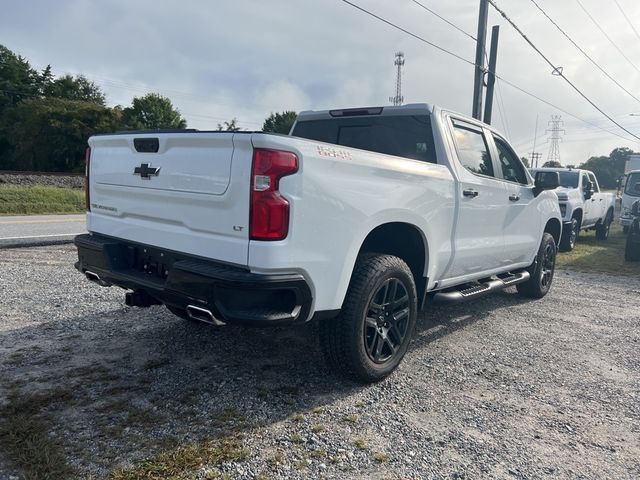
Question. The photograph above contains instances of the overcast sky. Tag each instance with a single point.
(219, 59)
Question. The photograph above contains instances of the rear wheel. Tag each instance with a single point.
(541, 270)
(369, 338)
(570, 236)
(602, 229)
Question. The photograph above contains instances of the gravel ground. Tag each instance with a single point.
(58, 181)
(499, 388)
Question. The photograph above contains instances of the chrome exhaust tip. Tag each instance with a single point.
(203, 315)
(95, 278)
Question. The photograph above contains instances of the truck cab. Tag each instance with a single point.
(630, 194)
(582, 204)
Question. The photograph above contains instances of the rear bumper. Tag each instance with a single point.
(232, 294)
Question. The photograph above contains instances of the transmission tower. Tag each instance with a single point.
(556, 131)
(398, 99)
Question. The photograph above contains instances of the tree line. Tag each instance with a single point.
(45, 121)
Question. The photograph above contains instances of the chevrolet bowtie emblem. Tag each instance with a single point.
(146, 171)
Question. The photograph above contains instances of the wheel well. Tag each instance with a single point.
(404, 241)
(578, 216)
(554, 227)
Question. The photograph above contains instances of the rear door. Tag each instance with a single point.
(187, 192)
(478, 236)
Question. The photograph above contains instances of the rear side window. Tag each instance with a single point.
(403, 136)
(472, 150)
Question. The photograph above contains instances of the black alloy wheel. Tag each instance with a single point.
(387, 321)
(548, 263)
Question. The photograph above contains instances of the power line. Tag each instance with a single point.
(511, 84)
(503, 118)
(583, 52)
(607, 36)
(557, 70)
(627, 19)
(445, 20)
(417, 37)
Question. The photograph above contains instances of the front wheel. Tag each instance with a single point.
(541, 270)
(570, 236)
(369, 338)
(632, 247)
(602, 229)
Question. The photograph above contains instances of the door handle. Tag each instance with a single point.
(514, 197)
(470, 193)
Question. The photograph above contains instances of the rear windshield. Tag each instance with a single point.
(629, 188)
(402, 136)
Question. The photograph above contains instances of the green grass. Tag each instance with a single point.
(40, 200)
(591, 255)
(182, 461)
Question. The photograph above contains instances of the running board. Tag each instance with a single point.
(482, 288)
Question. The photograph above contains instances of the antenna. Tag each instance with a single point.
(399, 63)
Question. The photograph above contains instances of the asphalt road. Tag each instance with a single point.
(39, 229)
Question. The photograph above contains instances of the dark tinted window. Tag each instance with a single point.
(472, 150)
(569, 179)
(511, 165)
(630, 186)
(402, 136)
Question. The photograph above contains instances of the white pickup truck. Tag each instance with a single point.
(582, 204)
(355, 220)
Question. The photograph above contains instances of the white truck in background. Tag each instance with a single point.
(582, 204)
(358, 219)
(630, 193)
(632, 163)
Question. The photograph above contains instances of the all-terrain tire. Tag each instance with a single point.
(602, 229)
(569, 236)
(541, 270)
(632, 247)
(351, 341)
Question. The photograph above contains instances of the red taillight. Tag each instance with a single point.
(87, 167)
(269, 214)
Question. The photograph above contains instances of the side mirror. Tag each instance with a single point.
(546, 181)
(636, 187)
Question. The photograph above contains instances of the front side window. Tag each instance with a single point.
(512, 168)
(630, 186)
(472, 150)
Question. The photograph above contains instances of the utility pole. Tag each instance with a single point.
(491, 75)
(556, 131)
(535, 156)
(478, 78)
(399, 63)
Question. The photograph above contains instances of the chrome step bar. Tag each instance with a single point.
(482, 288)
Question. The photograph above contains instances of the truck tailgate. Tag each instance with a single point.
(186, 192)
